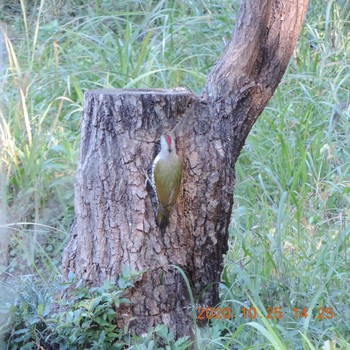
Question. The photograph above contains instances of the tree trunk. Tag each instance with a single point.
(115, 212)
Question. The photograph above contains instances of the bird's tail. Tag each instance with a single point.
(163, 217)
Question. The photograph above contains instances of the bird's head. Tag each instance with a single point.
(167, 143)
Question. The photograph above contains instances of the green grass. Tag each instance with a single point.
(289, 237)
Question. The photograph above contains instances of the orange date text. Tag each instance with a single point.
(208, 313)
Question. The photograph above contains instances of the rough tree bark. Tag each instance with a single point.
(115, 214)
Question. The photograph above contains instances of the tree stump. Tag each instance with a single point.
(115, 214)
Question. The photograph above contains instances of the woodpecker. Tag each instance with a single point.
(166, 179)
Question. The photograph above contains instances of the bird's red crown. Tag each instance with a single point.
(168, 140)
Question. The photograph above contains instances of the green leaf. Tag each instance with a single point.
(162, 331)
(125, 271)
(122, 283)
(21, 331)
(40, 309)
(30, 345)
(95, 302)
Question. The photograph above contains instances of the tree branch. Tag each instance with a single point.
(259, 50)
